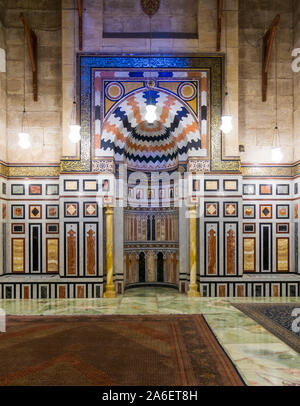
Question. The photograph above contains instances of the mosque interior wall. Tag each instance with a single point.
(53, 196)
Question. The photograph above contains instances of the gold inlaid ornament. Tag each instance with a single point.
(150, 7)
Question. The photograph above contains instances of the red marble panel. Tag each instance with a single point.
(61, 292)
(71, 252)
(221, 290)
(211, 253)
(91, 251)
(231, 250)
(240, 291)
(26, 292)
(80, 292)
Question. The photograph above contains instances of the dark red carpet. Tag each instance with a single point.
(113, 350)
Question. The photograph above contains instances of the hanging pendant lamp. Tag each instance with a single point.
(24, 137)
(226, 119)
(74, 128)
(276, 152)
(150, 115)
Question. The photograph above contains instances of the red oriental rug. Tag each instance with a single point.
(113, 350)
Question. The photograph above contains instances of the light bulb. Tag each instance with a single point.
(24, 140)
(150, 113)
(226, 126)
(74, 134)
(276, 154)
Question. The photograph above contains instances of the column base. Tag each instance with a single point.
(110, 292)
(193, 292)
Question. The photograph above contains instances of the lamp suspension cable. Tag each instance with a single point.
(276, 150)
(150, 46)
(150, 107)
(226, 125)
(276, 88)
(24, 137)
(74, 134)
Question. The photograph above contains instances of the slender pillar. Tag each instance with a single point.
(193, 253)
(110, 287)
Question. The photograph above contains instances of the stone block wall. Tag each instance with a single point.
(53, 22)
(296, 78)
(173, 16)
(257, 118)
(2, 87)
(43, 118)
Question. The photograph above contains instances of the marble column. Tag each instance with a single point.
(110, 287)
(193, 253)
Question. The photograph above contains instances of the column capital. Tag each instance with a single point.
(193, 212)
(109, 210)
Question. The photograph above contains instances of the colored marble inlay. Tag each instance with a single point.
(240, 291)
(231, 185)
(90, 209)
(35, 189)
(35, 212)
(26, 292)
(52, 255)
(71, 209)
(52, 211)
(212, 253)
(71, 185)
(61, 292)
(211, 209)
(249, 211)
(282, 211)
(282, 254)
(18, 212)
(230, 251)
(114, 91)
(91, 252)
(249, 254)
(211, 185)
(90, 185)
(265, 211)
(18, 255)
(230, 209)
(72, 252)
(265, 189)
(296, 210)
(187, 91)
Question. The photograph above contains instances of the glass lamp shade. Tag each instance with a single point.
(276, 150)
(226, 126)
(150, 113)
(24, 140)
(276, 154)
(74, 134)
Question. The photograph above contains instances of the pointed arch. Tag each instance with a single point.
(175, 119)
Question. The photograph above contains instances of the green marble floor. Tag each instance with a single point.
(260, 357)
